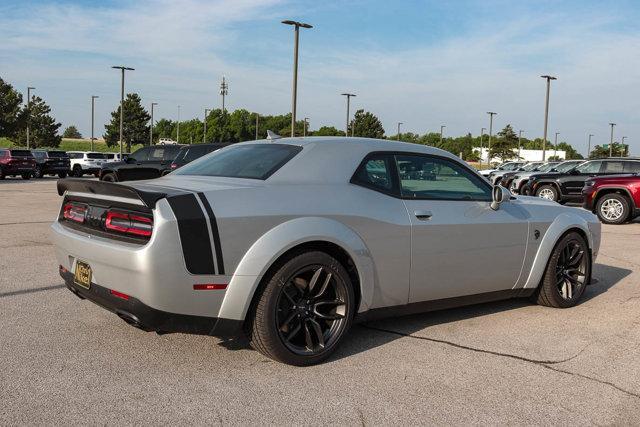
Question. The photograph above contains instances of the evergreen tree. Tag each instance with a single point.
(366, 124)
(71, 132)
(505, 145)
(10, 101)
(43, 129)
(135, 127)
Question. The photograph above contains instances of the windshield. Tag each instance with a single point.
(566, 166)
(253, 161)
(21, 153)
(530, 167)
(57, 154)
(547, 167)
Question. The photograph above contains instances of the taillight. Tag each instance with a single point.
(129, 223)
(174, 166)
(74, 212)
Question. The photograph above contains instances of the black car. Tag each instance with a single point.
(146, 163)
(49, 162)
(567, 186)
(190, 153)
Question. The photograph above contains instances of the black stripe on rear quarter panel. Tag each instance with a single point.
(194, 234)
(214, 230)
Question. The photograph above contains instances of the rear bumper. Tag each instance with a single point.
(17, 170)
(140, 315)
(54, 169)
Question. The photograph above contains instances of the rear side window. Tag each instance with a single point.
(632, 167)
(156, 153)
(376, 172)
(589, 167)
(95, 156)
(170, 153)
(253, 161)
(613, 167)
(140, 155)
(39, 154)
(21, 153)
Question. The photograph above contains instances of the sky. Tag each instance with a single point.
(422, 63)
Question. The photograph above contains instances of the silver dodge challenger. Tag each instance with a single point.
(290, 241)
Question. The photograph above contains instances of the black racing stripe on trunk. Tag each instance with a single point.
(194, 234)
(214, 230)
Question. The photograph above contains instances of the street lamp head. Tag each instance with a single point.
(549, 77)
(348, 94)
(95, 96)
(612, 124)
(154, 103)
(120, 67)
(31, 88)
(491, 112)
(297, 24)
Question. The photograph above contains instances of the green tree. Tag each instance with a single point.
(602, 151)
(43, 129)
(327, 131)
(163, 128)
(71, 132)
(135, 123)
(10, 101)
(366, 124)
(571, 152)
(503, 146)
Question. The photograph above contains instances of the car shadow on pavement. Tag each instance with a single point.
(368, 335)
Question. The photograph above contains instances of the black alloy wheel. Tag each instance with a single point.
(568, 273)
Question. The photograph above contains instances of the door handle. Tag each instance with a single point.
(423, 215)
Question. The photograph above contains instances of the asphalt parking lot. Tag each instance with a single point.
(68, 361)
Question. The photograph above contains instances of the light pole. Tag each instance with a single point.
(589, 146)
(346, 128)
(153, 104)
(519, 143)
(178, 127)
(29, 89)
(491, 114)
(622, 148)
(306, 123)
(121, 68)
(204, 133)
(257, 116)
(555, 145)
(611, 140)
(399, 123)
(441, 132)
(481, 135)
(546, 114)
(224, 90)
(93, 109)
(294, 95)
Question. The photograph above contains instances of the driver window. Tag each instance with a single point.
(425, 177)
(156, 154)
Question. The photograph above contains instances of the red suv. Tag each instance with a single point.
(615, 199)
(16, 162)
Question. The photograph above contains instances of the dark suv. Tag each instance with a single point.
(567, 186)
(14, 162)
(190, 153)
(51, 163)
(146, 163)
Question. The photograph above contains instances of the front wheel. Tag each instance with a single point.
(304, 310)
(77, 171)
(548, 192)
(109, 177)
(26, 175)
(62, 175)
(613, 209)
(568, 273)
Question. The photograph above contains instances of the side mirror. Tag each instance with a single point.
(499, 195)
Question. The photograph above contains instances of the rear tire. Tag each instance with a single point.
(613, 208)
(77, 171)
(568, 273)
(38, 172)
(548, 192)
(1, 173)
(304, 310)
(62, 175)
(109, 177)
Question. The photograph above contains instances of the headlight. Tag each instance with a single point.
(588, 183)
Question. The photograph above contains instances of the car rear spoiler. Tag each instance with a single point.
(148, 195)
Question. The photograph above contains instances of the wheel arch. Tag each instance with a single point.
(291, 237)
(562, 225)
(613, 189)
(550, 182)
